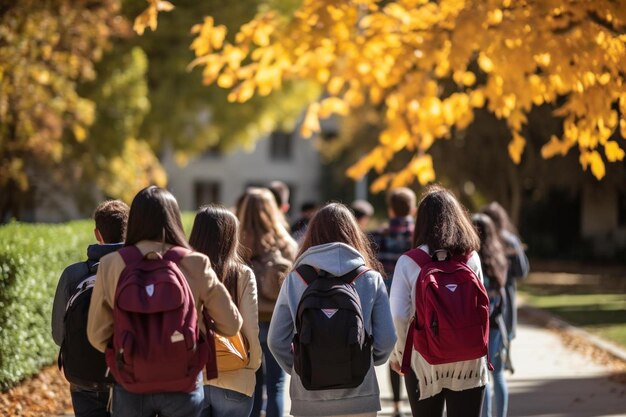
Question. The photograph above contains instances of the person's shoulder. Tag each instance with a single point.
(73, 273)
(110, 257)
(76, 267)
(474, 261)
(196, 259)
(245, 272)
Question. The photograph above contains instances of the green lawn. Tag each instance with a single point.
(603, 314)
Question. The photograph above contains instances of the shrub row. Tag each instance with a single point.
(32, 257)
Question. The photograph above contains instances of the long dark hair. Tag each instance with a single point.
(335, 223)
(215, 233)
(443, 223)
(492, 257)
(154, 215)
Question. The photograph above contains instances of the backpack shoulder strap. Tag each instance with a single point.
(176, 253)
(351, 276)
(420, 257)
(92, 267)
(307, 273)
(130, 254)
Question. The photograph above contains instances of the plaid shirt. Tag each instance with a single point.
(391, 242)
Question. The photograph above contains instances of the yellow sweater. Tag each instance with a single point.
(244, 380)
(206, 289)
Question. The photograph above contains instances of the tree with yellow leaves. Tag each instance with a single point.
(61, 126)
(429, 65)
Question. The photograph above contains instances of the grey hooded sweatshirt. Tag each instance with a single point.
(337, 259)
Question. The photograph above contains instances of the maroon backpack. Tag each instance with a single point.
(451, 320)
(156, 345)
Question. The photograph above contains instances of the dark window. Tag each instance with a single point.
(206, 192)
(280, 145)
(329, 135)
(212, 152)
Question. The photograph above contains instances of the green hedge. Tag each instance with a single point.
(32, 257)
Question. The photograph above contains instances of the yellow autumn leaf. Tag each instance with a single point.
(422, 167)
(164, 6)
(218, 34)
(381, 183)
(485, 63)
(594, 160)
(79, 133)
(311, 123)
(555, 147)
(146, 18)
(516, 147)
(226, 80)
(245, 91)
(363, 165)
(613, 152)
(332, 105)
(335, 85)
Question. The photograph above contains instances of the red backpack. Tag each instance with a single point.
(156, 345)
(451, 320)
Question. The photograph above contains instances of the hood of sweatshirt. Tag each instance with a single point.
(335, 258)
(97, 251)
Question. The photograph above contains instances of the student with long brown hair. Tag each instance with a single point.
(270, 251)
(442, 224)
(155, 232)
(494, 266)
(335, 244)
(215, 233)
(518, 262)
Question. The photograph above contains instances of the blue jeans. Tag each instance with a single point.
(500, 400)
(221, 402)
(272, 376)
(163, 404)
(90, 403)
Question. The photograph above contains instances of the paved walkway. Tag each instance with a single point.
(550, 381)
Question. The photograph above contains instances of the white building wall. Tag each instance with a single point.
(234, 171)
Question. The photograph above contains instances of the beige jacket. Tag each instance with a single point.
(206, 289)
(243, 380)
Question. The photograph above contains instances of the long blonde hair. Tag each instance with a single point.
(261, 228)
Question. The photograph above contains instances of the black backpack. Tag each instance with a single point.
(332, 350)
(83, 365)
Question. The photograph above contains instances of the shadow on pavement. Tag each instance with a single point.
(582, 397)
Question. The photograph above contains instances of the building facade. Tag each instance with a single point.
(221, 178)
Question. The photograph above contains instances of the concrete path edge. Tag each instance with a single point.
(548, 320)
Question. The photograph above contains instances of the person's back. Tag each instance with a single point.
(390, 242)
(84, 366)
(518, 262)
(269, 251)
(494, 265)
(443, 231)
(298, 228)
(154, 227)
(215, 233)
(337, 250)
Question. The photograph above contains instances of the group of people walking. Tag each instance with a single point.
(325, 309)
